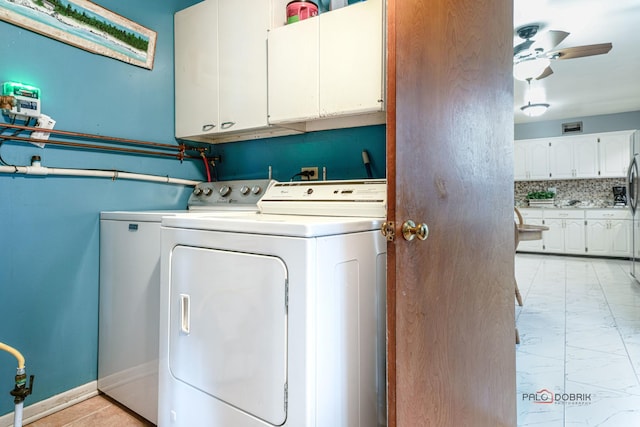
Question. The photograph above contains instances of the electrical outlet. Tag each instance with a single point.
(313, 173)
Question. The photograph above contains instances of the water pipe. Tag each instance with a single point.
(20, 391)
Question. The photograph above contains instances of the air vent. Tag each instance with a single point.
(575, 127)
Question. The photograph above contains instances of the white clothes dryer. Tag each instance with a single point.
(271, 319)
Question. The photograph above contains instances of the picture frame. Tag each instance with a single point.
(85, 25)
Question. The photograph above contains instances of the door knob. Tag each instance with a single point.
(410, 230)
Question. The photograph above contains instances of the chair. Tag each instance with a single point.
(524, 232)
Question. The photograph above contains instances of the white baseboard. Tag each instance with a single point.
(53, 404)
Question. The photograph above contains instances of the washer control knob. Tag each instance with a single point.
(256, 189)
(224, 190)
(244, 190)
(208, 191)
(197, 191)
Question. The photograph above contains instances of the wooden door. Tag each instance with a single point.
(451, 338)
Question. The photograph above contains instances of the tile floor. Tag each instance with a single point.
(578, 363)
(98, 411)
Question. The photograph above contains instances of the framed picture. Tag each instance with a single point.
(86, 25)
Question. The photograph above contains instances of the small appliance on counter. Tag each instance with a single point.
(619, 195)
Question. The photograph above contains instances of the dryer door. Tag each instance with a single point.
(228, 328)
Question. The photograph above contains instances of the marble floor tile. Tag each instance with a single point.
(580, 342)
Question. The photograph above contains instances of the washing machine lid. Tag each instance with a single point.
(274, 225)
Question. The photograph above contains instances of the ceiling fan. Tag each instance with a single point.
(532, 57)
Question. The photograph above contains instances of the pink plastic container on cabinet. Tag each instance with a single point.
(300, 9)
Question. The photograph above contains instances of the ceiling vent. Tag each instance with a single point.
(575, 127)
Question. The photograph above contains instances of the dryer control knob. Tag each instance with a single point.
(208, 191)
(244, 190)
(256, 189)
(224, 190)
(197, 191)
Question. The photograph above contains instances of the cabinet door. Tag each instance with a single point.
(574, 236)
(620, 235)
(598, 240)
(520, 161)
(585, 157)
(561, 159)
(242, 49)
(351, 46)
(196, 70)
(294, 66)
(615, 155)
(553, 239)
(538, 159)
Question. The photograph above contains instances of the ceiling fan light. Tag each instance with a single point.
(534, 110)
(530, 68)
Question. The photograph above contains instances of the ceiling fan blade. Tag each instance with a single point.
(550, 39)
(580, 51)
(546, 73)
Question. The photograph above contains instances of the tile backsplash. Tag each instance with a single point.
(591, 192)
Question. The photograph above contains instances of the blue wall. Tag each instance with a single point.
(49, 226)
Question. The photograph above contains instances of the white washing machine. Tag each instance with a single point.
(130, 290)
(277, 318)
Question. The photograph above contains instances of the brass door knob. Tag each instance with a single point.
(410, 230)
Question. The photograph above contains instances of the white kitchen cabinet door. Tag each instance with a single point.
(561, 159)
(620, 232)
(351, 58)
(531, 160)
(585, 156)
(615, 154)
(574, 157)
(574, 236)
(293, 72)
(553, 239)
(196, 70)
(598, 237)
(242, 49)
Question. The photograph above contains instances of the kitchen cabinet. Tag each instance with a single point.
(531, 159)
(533, 217)
(615, 153)
(573, 157)
(566, 233)
(608, 232)
(221, 68)
(329, 66)
(603, 155)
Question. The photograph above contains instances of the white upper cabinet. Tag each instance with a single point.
(574, 157)
(196, 70)
(604, 155)
(615, 153)
(531, 160)
(328, 66)
(221, 67)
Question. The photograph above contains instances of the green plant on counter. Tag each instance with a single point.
(537, 195)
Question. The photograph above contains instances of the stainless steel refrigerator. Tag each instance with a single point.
(633, 190)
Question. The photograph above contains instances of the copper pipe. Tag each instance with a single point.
(179, 155)
(92, 136)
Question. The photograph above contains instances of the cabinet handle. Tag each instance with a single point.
(206, 128)
(227, 125)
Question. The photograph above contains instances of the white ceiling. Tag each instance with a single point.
(588, 86)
